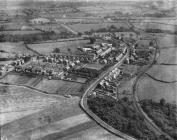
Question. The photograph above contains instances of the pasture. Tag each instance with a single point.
(17, 48)
(21, 32)
(95, 26)
(151, 89)
(168, 56)
(59, 87)
(164, 72)
(19, 79)
(46, 48)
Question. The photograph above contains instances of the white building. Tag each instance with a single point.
(40, 21)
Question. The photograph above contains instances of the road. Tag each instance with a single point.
(137, 106)
(85, 107)
(69, 29)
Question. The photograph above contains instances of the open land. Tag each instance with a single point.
(18, 48)
(46, 48)
(30, 114)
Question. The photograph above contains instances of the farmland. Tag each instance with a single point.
(22, 101)
(18, 48)
(59, 87)
(87, 27)
(151, 89)
(46, 48)
(19, 79)
(21, 32)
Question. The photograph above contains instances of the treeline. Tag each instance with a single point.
(160, 31)
(121, 115)
(111, 28)
(167, 115)
(30, 38)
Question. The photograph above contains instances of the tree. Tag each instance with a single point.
(69, 50)
(162, 102)
(56, 50)
(79, 34)
(92, 40)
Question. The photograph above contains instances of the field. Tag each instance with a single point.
(155, 25)
(59, 87)
(18, 48)
(87, 27)
(19, 79)
(17, 102)
(50, 27)
(102, 9)
(46, 48)
(151, 89)
(21, 32)
(165, 71)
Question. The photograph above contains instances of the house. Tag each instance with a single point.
(40, 21)
(86, 49)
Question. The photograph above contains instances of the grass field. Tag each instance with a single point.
(164, 72)
(55, 27)
(155, 25)
(168, 56)
(87, 27)
(20, 32)
(166, 40)
(59, 87)
(18, 48)
(46, 48)
(19, 79)
(150, 89)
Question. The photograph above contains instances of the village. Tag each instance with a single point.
(87, 62)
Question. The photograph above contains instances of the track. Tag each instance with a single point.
(158, 80)
(137, 106)
(85, 107)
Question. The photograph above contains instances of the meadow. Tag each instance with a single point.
(46, 48)
(18, 48)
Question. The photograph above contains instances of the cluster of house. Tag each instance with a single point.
(108, 83)
(98, 49)
(10, 66)
(3, 69)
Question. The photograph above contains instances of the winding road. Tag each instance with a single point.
(85, 107)
(137, 106)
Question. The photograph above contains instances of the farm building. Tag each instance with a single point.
(39, 21)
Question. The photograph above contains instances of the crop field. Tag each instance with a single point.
(46, 48)
(18, 48)
(87, 27)
(151, 89)
(94, 133)
(19, 102)
(59, 87)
